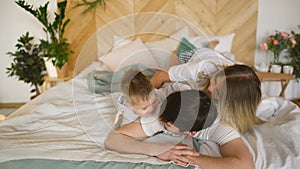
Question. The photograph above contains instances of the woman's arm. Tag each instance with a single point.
(234, 155)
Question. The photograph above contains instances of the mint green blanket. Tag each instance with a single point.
(66, 164)
(100, 81)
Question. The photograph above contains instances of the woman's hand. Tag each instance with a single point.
(177, 153)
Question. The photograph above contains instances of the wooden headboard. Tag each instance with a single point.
(154, 19)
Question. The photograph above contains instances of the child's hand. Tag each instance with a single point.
(213, 44)
(2, 117)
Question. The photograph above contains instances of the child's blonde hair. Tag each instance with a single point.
(136, 85)
(239, 94)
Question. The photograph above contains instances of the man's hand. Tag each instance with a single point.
(177, 153)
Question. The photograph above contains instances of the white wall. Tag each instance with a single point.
(272, 14)
(15, 22)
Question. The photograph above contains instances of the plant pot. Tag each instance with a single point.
(275, 68)
(54, 71)
(51, 69)
(287, 69)
(63, 72)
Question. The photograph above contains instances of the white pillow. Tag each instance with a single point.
(183, 32)
(133, 53)
(162, 57)
(162, 49)
(224, 45)
(171, 43)
(120, 42)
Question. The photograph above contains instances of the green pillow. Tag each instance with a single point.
(183, 50)
(184, 46)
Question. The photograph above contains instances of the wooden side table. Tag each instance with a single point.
(283, 78)
(53, 80)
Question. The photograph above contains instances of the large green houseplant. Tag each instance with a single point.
(91, 5)
(294, 55)
(28, 64)
(55, 46)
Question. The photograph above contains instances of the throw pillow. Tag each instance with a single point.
(132, 53)
(184, 47)
(186, 56)
(162, 49)
(120, 42)
(225, 42)
(171, 43)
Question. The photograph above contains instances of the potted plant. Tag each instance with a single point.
(28, 64)
(294, 55)
(277, 43)
(55, 46)
(90, 5)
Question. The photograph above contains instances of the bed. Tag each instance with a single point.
(66, 126)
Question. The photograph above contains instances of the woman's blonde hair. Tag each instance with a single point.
(136, 84)
(238, 93)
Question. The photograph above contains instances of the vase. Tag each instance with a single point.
(54, 71)
(275, 68)
(287, 69)
(63, 71)
(51, 69)
(276, 57)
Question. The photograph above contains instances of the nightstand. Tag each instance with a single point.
(53, 80)
(281, 77)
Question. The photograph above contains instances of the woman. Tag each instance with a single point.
(237, 90)
(237, 93)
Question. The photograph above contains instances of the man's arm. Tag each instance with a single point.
(128, 139)
(234, 155)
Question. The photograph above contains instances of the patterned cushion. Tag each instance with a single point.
(186, 56)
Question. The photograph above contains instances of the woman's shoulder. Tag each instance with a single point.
(218, 133)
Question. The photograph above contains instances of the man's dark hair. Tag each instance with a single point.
(190, 110)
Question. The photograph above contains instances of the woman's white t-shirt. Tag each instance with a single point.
(217, 132)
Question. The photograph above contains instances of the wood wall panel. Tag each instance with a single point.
(201, 16)
(115, 19)
(165, 6)
(155, 19)
(78, 31)
(240, 17)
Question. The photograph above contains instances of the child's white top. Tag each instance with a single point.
(128, 115)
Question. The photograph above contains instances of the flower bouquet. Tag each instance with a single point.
(277, 43)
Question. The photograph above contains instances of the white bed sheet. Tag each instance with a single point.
(275, 144)
(70, 122)
(66, 122)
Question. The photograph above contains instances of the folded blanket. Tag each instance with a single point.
(100, 81)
